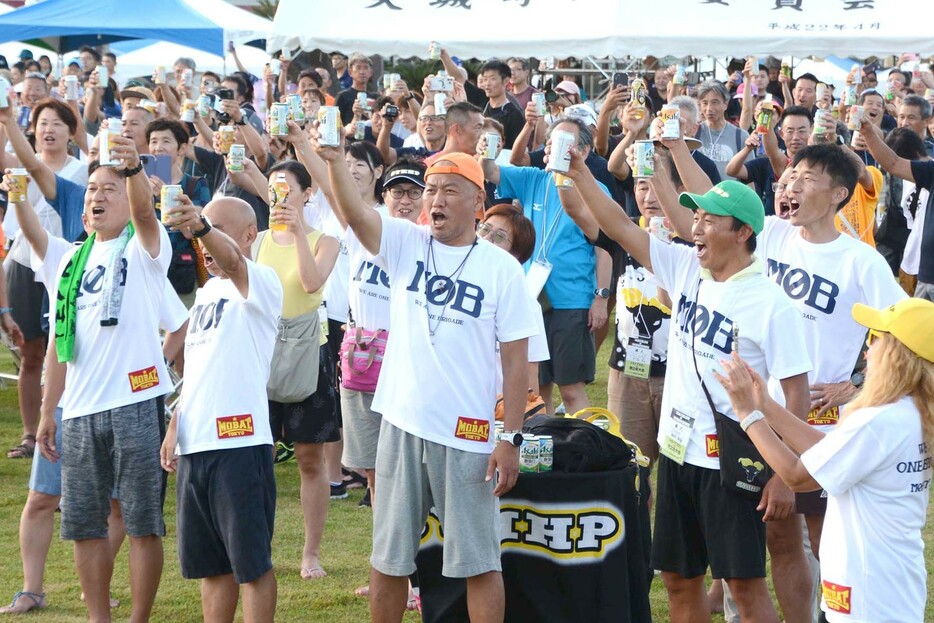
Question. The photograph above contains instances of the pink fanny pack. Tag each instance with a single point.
(362, 357)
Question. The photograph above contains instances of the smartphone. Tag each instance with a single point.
(219, 96)
(160, 166)
(620, 79)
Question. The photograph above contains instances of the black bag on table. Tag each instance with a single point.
(581, 446)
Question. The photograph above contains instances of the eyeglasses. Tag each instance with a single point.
(873, 336)
(778, 187)
(413, 193)
(497, 235)
(427, 118)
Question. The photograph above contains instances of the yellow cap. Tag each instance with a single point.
(910, 321)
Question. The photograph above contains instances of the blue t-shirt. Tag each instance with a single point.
(557, 238)
(69, 203)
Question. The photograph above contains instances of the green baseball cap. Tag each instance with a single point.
(729, 198)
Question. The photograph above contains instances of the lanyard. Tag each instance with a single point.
(547, 236)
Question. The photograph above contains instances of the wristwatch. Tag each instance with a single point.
(512, 437)
(134, 170)
(858, 378)
(201, 232)
(603, 293)
(242, 119)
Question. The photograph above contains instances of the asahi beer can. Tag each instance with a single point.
(855, 121)
(329, 126)
(275, 66)
(434, 51)
(361, 97)
(279, 121)
(103, 76)
(5, 92)
(645, 159)
(560, 158)
(821, 114)
(393, 79)
(188, 77)
(492, 146)
(850, 97)
(204, 105)
(681, 74)
(359, 132)
(295, 108)
(857, 72)
(440, 109)
(188, 111)
(854, 141)
(821, 91)
(671, 116)
(659, 229)
(18, 185)
(546, 453)
(169, 201)
(71, 88)
(114, 128)
(235, 158)
(387, 81)
(226, 138)
(541, 108)
(159, 74)
(529, 454)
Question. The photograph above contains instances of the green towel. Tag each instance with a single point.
(69, 284)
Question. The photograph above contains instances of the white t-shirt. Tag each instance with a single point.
(640, 312)
(369, 284)
(228, 352)
(414, 141)
(877, 471)
(771, 340)
(320, 215)
(824, 281)
(538, 345)
(445, 391)
(117, 365)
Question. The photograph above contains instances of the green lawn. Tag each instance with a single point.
(345, 549)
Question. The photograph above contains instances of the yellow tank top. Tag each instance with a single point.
(284, 260)
(860, 211)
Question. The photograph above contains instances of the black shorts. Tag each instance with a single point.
(570, 342)
(29, 301)
(811, 503)
(335, 337)
(698, 524)
(313, 420)
(226, 513)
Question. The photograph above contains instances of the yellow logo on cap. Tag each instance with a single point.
(720, 191)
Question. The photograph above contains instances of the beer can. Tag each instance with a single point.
(857, 72)
(639, 94)
(226, 133)
(204, 105)
(188, 111)
(854, 141)
(659, 228)
(4, 92)
(329, 126)
(18, 185)
(361, 97)
(103, 76)
(295, 108)
(188, 77)
(275, 66)
(529, 454)
(279, 120)
(114, 128)
(169, 201)
(393, 79)
(560, 158)
(359, 132)
(855, 121)
(150, 105)
(546, 453)
(671, 116)
(286, 54)
(681, 74)
(928, 93)
(850, 97)
(440, 110)
(645, 159)
(434, 51)
(540, 107)
(786, 66)
(235, 158)
(492, 146)
(71, 88)
(159, 74)
(387, 81)
(821, 91)
(821, 114)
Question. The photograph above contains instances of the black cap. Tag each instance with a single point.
(404, 172)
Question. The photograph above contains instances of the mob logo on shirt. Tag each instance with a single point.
(206, 317)
(472, 429)
(713, 328)
(233, 426)
(374, 274)
(143, 379)
(93, 280)
(460, 295)
(836, 596)
(816, 292)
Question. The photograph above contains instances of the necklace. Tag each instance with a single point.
(442, 288)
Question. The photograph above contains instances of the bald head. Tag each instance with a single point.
(235, 218)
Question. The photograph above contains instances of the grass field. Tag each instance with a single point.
(345, 549)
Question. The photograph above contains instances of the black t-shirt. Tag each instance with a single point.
(759, 172)
(923, 172)
(215, 172)
(345, 100)
(510, 116)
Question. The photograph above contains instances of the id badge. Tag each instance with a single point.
(638, 357)
(538, 274)
(675, 444)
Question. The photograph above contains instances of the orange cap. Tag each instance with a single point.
(458, 163)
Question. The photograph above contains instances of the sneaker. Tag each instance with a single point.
(284, 452)
(338, 491)
(365, 501)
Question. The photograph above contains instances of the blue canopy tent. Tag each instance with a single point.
(66, 25)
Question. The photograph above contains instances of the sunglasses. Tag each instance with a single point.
(873, 336)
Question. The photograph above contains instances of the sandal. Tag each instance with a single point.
(38, 602)
(25, 450)
(353, 480)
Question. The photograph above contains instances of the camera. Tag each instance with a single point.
(392, 111)
(219, 96)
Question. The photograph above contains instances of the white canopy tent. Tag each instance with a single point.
(619, 28)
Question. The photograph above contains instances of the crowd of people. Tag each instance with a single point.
(359, 300)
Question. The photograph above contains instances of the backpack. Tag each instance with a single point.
(581, 446)
(183, 274)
